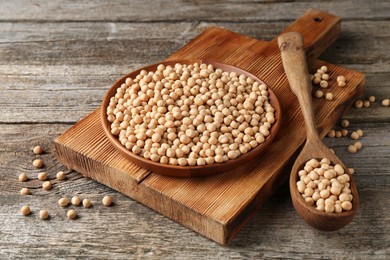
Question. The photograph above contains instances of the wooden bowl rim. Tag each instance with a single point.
(188, 171)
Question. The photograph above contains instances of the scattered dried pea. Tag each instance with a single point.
(344, 123)
(23, 177)
(355, 136)
(359, 132)
(341, 83)
(358, 145)
(43, 214)
(338, 134)
(316, 80)
(366, 103)
(71, 214)
(386, 102)
(344, 132)
(359, 104)
(46, 185)
(42, 176)
(329, 96)
(60, 175)
(340, 78)
(38, 150)
(323, 84)
(320, 71)
(332, 133)
(25, 210)
(318, 94)
(87, 203)
(371, 99)
(76, 200)
(38, 163)
(25, 191)
(352, 149)
(107, 200)
(63, 202)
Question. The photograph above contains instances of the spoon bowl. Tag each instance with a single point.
(320, 220)
(294, 63)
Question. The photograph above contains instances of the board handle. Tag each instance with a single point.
(319, 30)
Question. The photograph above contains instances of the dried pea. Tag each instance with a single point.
(42, 176)
(46, 185)
(332, 133)
(359, 104)
(43, 214)
(107, 200)
(358, 145)
(352, 149)
(344, 123)
(63, 202)
(23, 177)
(25, 210)
(329, 96)
(60, 175)
(87, 203)
(25, 191)
(38, 150)
(318, 94)
(76, 200)
(355, 135)
(38, 163)
(71, 214)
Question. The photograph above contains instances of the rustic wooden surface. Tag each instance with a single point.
(57, 60)
(219, 206)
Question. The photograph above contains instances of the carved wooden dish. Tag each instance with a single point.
(188, 171)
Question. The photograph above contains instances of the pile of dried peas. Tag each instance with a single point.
(325, 186)
(321, 78)
(190, 114)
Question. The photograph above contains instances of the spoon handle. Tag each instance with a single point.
(295, 66)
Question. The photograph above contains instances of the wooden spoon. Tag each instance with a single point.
(294, 63)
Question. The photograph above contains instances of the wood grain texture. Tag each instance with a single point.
(61, 91)
(121, 10)
(232, 197)
(56, 84)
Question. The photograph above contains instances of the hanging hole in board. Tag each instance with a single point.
(318, 19)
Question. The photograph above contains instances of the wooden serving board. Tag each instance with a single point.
(218, 206)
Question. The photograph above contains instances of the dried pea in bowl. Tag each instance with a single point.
(133, 108)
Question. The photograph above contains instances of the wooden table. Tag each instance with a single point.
(58, 58)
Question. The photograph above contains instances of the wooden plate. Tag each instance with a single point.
(188, 171)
